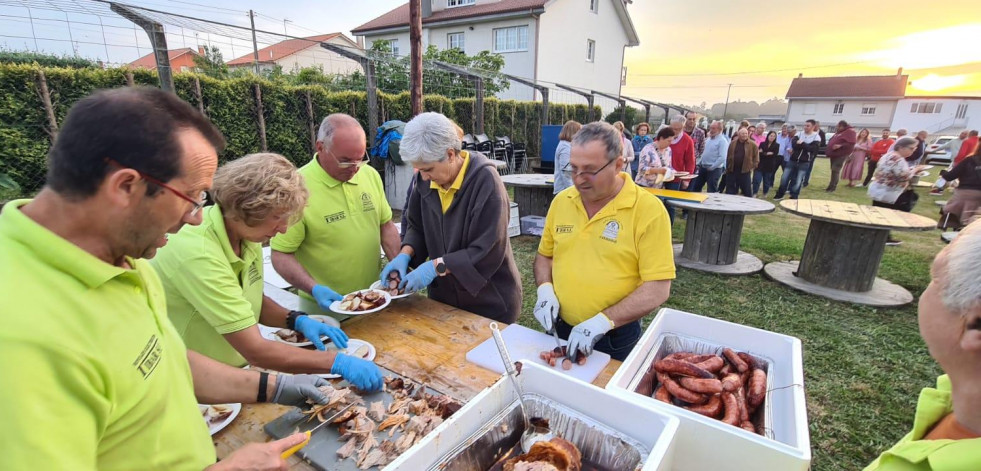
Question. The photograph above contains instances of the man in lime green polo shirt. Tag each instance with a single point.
(96, 377)
(333, 249)
(946, 433)
(605, 252)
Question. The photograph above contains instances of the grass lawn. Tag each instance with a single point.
(863, 367)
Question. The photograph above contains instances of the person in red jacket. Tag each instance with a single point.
(967, 148)
(879, 148)
(682, 151)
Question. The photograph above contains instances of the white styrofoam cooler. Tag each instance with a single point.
(652, 428)
(706, 443)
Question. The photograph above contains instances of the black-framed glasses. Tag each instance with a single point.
(197, 204)
(576, 173)
(349, 164)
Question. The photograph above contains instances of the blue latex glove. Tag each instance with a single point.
(363, 374)
(313, 329)
(419, 278)
(325, 296)
(399, 264)
(585, 335)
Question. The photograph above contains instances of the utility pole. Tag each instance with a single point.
(415, 42)
(285, 33)
(255, 46)
(725, 109)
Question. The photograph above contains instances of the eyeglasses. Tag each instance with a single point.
(197, 205)
(348, 164)
(576, 173)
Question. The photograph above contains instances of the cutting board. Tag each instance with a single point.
(525, 344)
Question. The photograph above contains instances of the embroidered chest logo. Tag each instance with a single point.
(563, 229)
(149, 357)
(366, 203)
(611, 231)
(338, 216)
(254, 275)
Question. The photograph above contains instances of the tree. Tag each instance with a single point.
(46, 60)
(632, 117)
(392, 73)
(211, 63)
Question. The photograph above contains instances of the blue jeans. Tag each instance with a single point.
(617, 343)
(635, 164)
(807, 174)
(766, 178)
(793, 178)
(711, 177)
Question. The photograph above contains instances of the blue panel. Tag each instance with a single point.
(550, 140)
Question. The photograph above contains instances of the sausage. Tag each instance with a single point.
(756, 390)
(748, 426)
(731, 382)
(712, 408)
(566, 364)
(704, 386)
(726, 369)
(551, 361)
(580, 359)
(696, 359)
(679, 356)
(731, 404)
(743, 408)
(712, 364)
(736, 361)
(752, 362)
(662, 395)
(679, 392)
(682, 368)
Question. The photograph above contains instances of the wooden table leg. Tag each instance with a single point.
(532, 201)
(842, 257)
(712, 238)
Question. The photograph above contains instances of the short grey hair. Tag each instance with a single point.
(901, 132)
(602, 132)
(427, 138)
(962, 291)
(330, 124)
(791, 127)
(678, 119)
(905, 141)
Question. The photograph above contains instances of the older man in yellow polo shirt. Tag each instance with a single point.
(333, 249)
(605, 259)
(946, 433)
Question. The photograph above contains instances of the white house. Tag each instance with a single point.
(948, 115)
(579, 43)
(865, 102)
(294, 54)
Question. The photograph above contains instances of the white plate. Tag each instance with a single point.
(352, 346)
(215, 428)
(335, 306)
(377, 286)
(927, 167)
(923, 174)
(271, 333)
(681, 174)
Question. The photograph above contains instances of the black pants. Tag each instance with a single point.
(868, 176)
(617, 343)
(739, 182)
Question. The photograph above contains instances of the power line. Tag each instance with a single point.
(750, 72)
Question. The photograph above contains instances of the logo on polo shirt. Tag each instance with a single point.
(564, 229)
(611, 231)
(254, 274)
(366, 203)
(338, 216)
(150, 357)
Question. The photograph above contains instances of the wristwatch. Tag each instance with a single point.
(440, 267)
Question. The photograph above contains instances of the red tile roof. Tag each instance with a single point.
(150, 62)
(880, 86)
(282, 49)
(400, 15)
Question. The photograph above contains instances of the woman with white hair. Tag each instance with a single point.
(457, 221)
(212, 275)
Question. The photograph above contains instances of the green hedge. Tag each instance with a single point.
(231, 105)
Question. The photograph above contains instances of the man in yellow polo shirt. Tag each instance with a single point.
(605, 259)
(333, 249)
(946, 433)
(95, 376)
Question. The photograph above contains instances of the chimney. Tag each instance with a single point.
(800, 75)
(201, 50)
(899, 73)
(427, 8)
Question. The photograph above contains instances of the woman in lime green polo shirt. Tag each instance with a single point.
(212, 274)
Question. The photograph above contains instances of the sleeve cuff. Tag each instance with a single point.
(235, 326)
(658, 276)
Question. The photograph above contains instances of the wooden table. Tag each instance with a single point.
(713, 231)
(532, 192)
(844, 246)
(416, 337)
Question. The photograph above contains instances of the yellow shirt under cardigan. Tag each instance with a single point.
(446, 196)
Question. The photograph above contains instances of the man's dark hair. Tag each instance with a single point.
(133, 126)
(843, 123)
(665, 133)
(813, 123)
(974, 132)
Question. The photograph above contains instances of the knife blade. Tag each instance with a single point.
(288, 453)
(558, 343)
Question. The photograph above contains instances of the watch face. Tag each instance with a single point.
(441, 268)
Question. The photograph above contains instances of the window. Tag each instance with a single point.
(868, 109)
(458, 3)
(594, 6)
(809, 108)
(925, 108)
(394, 44)
(961, 111)
(454, 40)
(839, 108)
(590, 50)
(511, 39)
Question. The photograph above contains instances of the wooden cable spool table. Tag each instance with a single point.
(532, 192)
(713, 232)
(416, 337)
(843, 249)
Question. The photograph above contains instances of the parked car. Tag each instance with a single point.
(935, 151)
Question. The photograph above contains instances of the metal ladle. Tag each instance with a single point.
(533, 433)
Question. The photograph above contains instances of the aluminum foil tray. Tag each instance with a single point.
(602, 448)
(669, 342)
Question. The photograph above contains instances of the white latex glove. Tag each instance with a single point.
(585, 335)
(547, 307)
